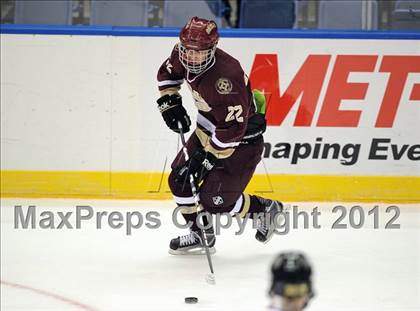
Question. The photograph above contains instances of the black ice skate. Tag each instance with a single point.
(266, 221)
(192, 243)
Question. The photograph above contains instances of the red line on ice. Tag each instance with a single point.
(51, 295)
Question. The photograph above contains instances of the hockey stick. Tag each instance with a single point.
(210, 277)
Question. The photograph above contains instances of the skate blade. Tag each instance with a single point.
(194, 252)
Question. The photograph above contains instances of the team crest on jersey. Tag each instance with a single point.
(217, 200)
(223, 86)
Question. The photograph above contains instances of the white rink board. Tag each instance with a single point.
(87, 103)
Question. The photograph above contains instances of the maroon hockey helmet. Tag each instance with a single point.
(198, 41)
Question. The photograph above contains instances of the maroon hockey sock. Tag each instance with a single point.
(252, 204)
(193, 218)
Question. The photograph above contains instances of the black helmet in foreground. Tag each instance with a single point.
(291, 276)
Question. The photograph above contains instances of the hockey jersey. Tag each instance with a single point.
(222, 95)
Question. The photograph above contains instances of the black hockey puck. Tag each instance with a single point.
(191, 299)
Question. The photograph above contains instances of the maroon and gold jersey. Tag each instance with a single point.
(222, 95)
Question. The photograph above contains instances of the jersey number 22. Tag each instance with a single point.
(234, 112)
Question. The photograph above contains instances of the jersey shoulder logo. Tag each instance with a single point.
(224, 86)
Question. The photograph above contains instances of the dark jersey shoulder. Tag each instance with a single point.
(228, 67)
(224, 83)
(227, 63)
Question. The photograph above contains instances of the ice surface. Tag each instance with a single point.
(108, 270)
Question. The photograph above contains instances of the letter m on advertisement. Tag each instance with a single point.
(307, 84)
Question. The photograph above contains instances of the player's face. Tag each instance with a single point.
(194, 57)
(294, 304)
(196, 61)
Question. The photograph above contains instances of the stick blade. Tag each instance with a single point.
(211, 279)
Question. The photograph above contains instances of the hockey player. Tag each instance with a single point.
(291, 284)
(227, 143)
